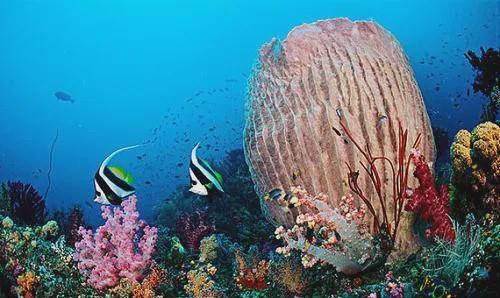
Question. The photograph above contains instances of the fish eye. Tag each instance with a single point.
(97, 194)
(193, 183)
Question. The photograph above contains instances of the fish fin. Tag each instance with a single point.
(218, 176)
(108, 159)
(209, 186)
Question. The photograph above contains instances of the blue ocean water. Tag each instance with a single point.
(173, 73)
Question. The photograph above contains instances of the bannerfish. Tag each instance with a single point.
(204, 179)
(63, 96)
(112, 184)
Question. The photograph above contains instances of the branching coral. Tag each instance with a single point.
(476, 169)
(333, 236)
(251, 276)
(191, 228)
(27, 284)
(146, 289)
(200, 283)
(289, 275)
(433, 206)
(392, 208)
(27, 206)
(121, 248)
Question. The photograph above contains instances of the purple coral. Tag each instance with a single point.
(193, 227)
(121, 248)
(72, 225)
(26, 204)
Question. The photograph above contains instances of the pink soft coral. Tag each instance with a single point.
(117, 249)
(432, 206)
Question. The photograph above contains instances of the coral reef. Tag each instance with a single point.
(236, 214)
(475, 178)
(432, 206)
(487, 80)
(34, 264)
(191, 229)
(25, 205)
(120, 249)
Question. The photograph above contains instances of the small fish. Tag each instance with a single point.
(276, 193)
(380, 121)
(295, 174)
(339, 112)
(63, 96)
(336, 131)
(204, 178)
(112, 184)
(148, 182)
(337, 236)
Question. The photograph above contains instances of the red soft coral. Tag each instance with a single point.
(433, 206)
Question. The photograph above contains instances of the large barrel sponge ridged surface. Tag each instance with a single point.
(294, 93)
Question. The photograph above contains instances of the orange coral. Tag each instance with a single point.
(290, 277)
(27, 284)
(146, 288)
(253, 277)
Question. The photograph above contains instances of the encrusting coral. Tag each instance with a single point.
(120, 249)
(475, 160)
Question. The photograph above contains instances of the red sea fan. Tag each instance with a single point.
(27, 205)
(191, 228)
(433, 206)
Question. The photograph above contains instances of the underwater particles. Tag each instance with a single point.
(204, 179)
(63, 96)
(112, 183)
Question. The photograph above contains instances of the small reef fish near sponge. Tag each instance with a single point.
(475, 158)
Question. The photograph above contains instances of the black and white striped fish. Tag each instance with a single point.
(204, 179)
(112, 184)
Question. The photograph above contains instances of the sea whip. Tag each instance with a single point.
(50, 164)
